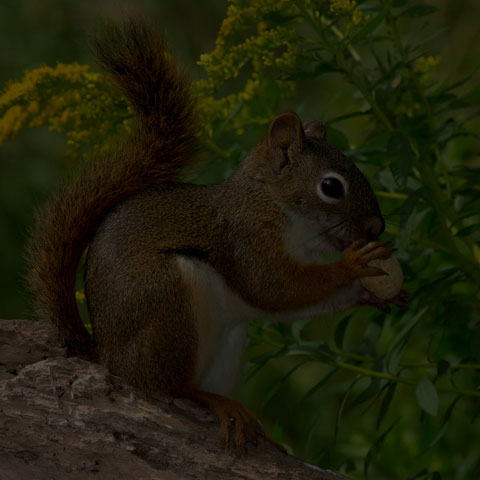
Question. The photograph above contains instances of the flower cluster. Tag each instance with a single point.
(426, 65)
(270, 52)
(347, 8)
(409, 103)
(257, 54)
(67, 98)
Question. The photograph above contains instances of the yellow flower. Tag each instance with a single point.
(426, 65)
(272, 51)
(12, 122)
(67, 98)
(348, 9)
(80, 296)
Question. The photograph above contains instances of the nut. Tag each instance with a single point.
(385, 286)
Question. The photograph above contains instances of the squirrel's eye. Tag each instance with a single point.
(332, 188)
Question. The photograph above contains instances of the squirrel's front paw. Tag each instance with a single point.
(356, 259)
(368, 298)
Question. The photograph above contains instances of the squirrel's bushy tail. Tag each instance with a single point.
(141, 65)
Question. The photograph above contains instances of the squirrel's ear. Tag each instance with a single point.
(316, 128)
(284, 130)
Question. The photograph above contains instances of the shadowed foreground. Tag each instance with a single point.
(65, 418)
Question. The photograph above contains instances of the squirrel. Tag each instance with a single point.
(174, 271)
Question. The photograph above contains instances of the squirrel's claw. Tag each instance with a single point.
(368, 298)
(357, 257)
(238, 425)
(401, 299)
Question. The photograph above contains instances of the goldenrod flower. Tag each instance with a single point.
(66, 98)
(347, 8)
(426, 65)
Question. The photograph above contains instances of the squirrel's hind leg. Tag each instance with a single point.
(142, 322)
(155, 343)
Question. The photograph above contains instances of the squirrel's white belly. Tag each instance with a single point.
(221, 320)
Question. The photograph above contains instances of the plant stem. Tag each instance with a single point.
(454, 366)
(397, 196)
(406, 381)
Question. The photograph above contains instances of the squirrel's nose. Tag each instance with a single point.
(374, 227)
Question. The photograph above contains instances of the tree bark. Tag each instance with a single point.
(66, 418)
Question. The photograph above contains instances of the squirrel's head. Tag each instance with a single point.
(317, 185)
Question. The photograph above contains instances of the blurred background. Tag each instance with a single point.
(33, 33)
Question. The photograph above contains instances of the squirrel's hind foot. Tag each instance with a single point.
(238, 425)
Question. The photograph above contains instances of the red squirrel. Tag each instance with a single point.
(174, 271)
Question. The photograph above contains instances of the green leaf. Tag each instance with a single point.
(442, 367)
(320, 69)
(469, 172)
(471, 98)
(222, 126)
(427, 396)
(383, 95)
(393, 359)
(383, 70)
(407, 328)
(419, 474)
(441, 282)
(277, 385)
(418, 11)
(470, 209)
(460, 82)
(277, 432)
(320, 384)
(340, 118)
(372, 389)
(369, 27)
(446, 420)
(265, 357)
(298, 327)
(340, 330)
(407, 224)
(406, 209)
(387, 400)
(317, 350)
(468, 231)
(341, 408)
(374, 329)
(337, 138)
(399, 146)
(375, 448)
(440, 98)
(279, 19)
